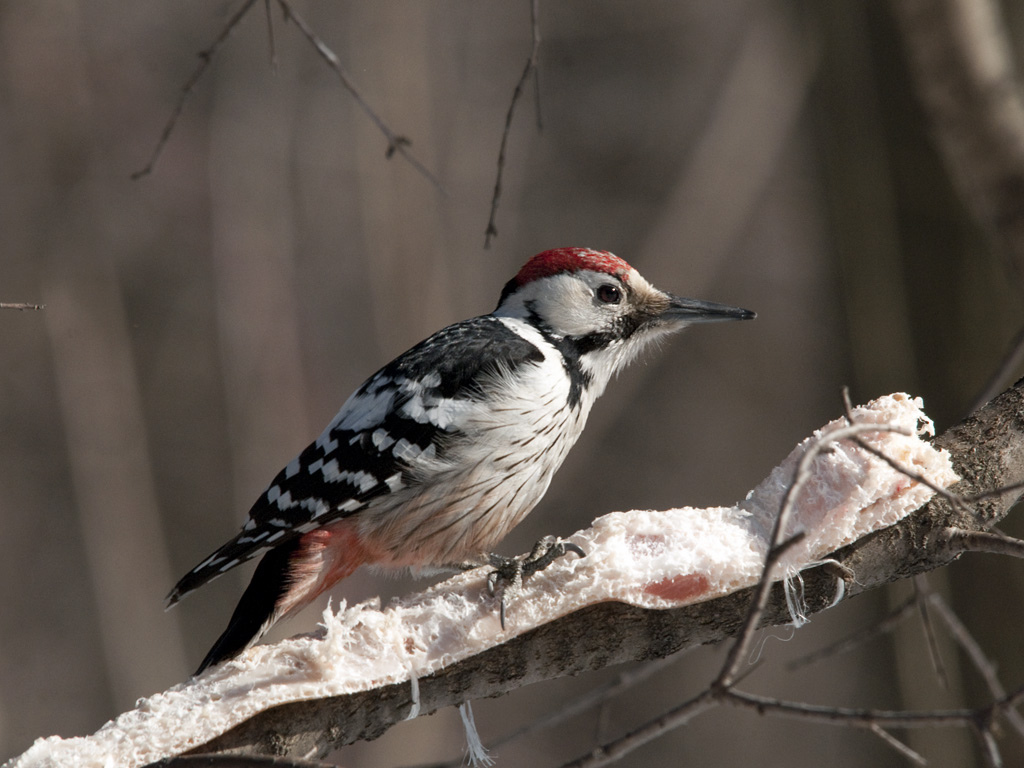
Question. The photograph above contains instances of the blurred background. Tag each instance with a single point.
(204, 322)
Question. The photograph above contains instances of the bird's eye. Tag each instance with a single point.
(609, 294)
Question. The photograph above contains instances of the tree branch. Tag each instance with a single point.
(988, 453)
(205, 59)
(395, 143)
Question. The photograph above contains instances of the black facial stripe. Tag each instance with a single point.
(571, 350)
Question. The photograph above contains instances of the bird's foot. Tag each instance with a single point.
(505, 581)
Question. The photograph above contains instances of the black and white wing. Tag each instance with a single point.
(408, 411)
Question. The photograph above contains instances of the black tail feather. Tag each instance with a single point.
(256, 610)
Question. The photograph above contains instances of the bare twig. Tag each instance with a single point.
(205, 59)
(803, 471)
(536, 81)
(1011, 360)
(730, 672)
(980, 719)
(898, 745)
(922, 592)
(590, 699)
(531, 67)
(989, 748)
(866, 718)
(912, 474)
(960, 634)
(845, 644)
(593, 698)
(984, 541)
(981, 663)
(20, 306)
(957, 500)
(396, 143)
(680, 715)
(994, 493)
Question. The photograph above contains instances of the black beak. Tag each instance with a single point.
(696, 311)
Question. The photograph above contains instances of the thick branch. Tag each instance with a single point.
(988, 453)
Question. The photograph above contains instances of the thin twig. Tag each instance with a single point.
(20, 306)
(960, 634)
(590, 699)
(957, 501)
(680, 715)
(731, 671)
(858, 638)
(205, 59)
(865, 718)
(396, 143)
(922, 592)
(984, 541)
(989, 748)
(898, 745)
(994, 493)
(1011, 360)
(801, 475)
(531, 66)
(596, 697)
(981, 662)
(870, 719)
(536, 96)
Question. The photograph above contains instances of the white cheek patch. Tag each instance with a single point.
(567, 306)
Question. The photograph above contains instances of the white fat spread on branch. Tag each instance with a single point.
(646, 558)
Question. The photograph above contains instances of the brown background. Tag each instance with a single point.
(203, 323)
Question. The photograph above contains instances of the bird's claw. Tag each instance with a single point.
(507, 577)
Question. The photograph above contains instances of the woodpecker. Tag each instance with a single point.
(444, 450)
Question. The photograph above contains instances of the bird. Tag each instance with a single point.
(439, 454)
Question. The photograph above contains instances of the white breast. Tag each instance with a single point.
(492, 475)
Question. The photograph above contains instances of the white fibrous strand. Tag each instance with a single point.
(651, 559)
